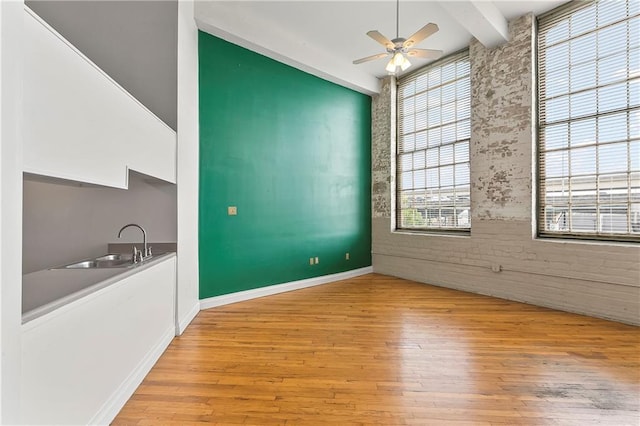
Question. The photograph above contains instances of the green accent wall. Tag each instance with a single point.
(293, 153)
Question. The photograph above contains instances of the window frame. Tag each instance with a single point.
(459, 231)
(552, 17)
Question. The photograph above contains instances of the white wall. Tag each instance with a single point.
(64, 222)
(10, 209)
(594, 278)
(187, 167)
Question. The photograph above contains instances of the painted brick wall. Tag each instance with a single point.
(383, 138)
(593, 278)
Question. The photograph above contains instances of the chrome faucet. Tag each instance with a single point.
(146, 251)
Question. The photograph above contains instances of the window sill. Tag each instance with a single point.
(432, 233)
(584, 239)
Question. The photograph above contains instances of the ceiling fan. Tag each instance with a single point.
(400, 48)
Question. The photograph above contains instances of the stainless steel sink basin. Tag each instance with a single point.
(106, 261)
(114, 257)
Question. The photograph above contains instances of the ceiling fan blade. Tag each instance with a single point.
(374, 34)
(371, 58)
(421, 34)
(424, 53)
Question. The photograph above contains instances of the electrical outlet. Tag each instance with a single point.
(317, 260)
(311, 261)
(232, 210)
(346, 256)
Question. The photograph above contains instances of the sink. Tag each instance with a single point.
(114, 257)
(106, 261)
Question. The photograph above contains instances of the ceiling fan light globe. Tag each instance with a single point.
(398, 59)
(391, 68)
(406, 64)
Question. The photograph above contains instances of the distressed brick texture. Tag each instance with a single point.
(594, 278)
(382, 137)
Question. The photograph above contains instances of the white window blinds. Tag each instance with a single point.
(434, 111)
(589, 120)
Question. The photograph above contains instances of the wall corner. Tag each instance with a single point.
(187, 166)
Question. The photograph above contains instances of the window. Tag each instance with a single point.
(434, 111)
(589, 121)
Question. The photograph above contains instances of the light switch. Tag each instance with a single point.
(232, 210)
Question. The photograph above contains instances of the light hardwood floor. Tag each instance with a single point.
(382, 350)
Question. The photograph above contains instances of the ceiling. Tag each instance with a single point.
(324, 37)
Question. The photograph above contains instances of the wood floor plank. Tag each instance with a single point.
(381, 350)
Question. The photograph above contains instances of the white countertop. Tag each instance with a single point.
(47, 290)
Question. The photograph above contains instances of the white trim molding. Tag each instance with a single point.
(183, 323)
(255, 293)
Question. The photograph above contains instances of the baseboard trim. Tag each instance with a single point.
(186, 320)
(119, 398)
(241, 296)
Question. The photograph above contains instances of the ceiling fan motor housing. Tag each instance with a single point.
(398, 45)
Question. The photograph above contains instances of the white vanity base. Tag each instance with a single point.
(81, 362)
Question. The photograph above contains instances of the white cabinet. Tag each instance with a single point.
(81, 362)
(79, 123)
